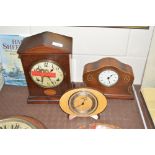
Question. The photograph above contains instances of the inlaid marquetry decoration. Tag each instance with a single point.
(46, 62)
(111, 77)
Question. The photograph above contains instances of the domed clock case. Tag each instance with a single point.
(111, 77)
(46, 62)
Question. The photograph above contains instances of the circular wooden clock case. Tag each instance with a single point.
(20, 122)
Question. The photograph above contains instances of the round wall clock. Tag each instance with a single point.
(111, 77)
(83, 102)
(20, 122)
(46, 62)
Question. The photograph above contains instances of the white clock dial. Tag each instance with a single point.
(108, 78)
(47, 74)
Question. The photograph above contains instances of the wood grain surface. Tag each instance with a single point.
(122, 113)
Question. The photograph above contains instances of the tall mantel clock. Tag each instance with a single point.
(46, 62)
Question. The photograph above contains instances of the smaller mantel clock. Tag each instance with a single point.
(83, 102)
(46, 62)
(110, 76)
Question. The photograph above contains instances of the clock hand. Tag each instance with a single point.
(108, 79)
(51, 81)
(110, 76)
(80, 105)
(85, 98)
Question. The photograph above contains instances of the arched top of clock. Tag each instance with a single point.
(45, 43)
(107, 62)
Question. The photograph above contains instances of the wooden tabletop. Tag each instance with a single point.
(122, 113)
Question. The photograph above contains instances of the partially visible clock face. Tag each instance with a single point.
(47, 74)
(108, 78)
(15, 123)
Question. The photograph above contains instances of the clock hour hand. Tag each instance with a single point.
(108, 79)
(85, 98)
(80, 105)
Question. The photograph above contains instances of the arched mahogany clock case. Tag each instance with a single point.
(46, 62)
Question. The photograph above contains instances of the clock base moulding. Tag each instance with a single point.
(49, 99)
(42, 100)
(120, 96)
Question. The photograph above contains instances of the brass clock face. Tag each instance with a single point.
(47, 74)
(108, 77)
(83, 103)
(15, 123)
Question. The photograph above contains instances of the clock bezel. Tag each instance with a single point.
(47, 60)
(74, 109)
(111, 69)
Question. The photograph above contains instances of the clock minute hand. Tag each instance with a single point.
(82, 102)
(110, 76)
(80, 105)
